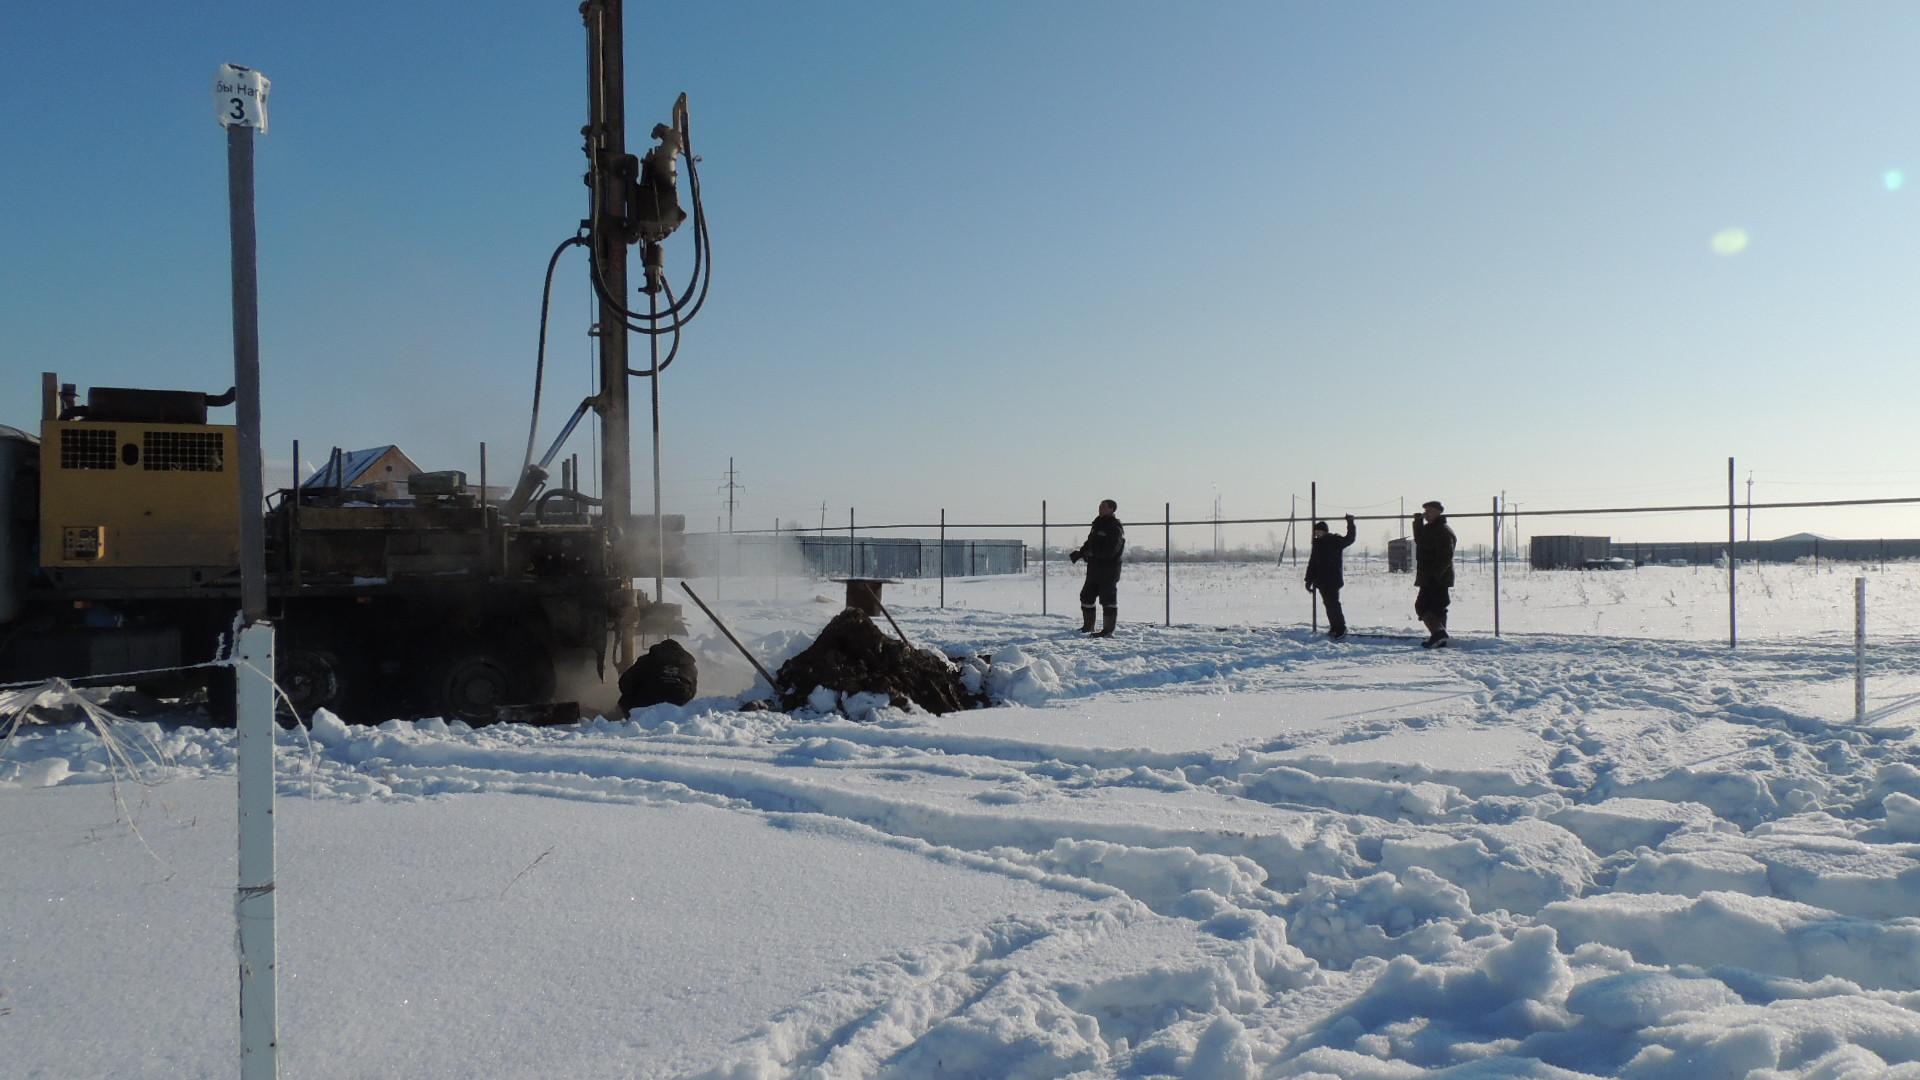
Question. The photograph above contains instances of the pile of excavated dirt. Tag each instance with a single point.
(852, 656)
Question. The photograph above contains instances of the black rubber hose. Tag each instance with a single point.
(540, 353)
(580, 498)
(697, 281)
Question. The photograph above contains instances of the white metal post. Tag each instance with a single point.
(240, 104)
(1859, 650)
(253, 907)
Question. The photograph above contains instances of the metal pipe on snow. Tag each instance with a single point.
(757, 666)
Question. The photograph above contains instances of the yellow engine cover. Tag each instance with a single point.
(126, 494)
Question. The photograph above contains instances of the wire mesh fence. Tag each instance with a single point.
(1700, 590)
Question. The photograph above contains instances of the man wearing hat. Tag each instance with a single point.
(1432, 571)
(1324, 573)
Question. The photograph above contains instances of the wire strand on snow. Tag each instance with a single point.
(523, 872)
(14, 708)
(76, 679)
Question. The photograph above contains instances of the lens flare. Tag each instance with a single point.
(1894, 179)
(1729, 241)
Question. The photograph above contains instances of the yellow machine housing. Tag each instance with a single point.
(124, 494)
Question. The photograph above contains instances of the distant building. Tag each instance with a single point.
(1399, 556)
(385, 469)
(842, 556)
(1809, 546)
(1569, 552)
(904, 557)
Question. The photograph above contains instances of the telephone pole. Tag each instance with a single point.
(1293, 539)
(1749, 506)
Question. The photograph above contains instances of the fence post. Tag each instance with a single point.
(293, 530)
(943, 558)
(253, 907)
(1169, 564)
(1859, 650)
(1496, 566)
(1733, 598)
(851, 544)
(1043, 556)
(1313, 515)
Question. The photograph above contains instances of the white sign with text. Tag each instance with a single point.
(240, 97)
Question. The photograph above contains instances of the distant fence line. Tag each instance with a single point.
(1290, 519)
(1501, 518)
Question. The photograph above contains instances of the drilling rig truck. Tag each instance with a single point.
(120, 518)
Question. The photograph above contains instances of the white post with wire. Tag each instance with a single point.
(240, 103)
(1859, 650)
(253, 906)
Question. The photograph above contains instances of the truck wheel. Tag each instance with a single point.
(312, 678)
(471, 685)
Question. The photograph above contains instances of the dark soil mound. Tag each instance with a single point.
(852, 656)
(667, 672)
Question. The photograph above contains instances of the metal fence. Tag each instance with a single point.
(1498, 550)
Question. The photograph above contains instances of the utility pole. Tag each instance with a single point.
(1749, 506)
(1293, 539)
(1500, 531)
(729, 487)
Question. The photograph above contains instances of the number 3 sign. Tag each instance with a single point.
(240, 97)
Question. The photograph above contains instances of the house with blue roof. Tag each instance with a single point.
(385, 469)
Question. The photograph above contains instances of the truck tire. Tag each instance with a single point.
(472, 683)
(313, 678)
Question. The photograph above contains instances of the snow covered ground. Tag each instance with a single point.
(1221, 849)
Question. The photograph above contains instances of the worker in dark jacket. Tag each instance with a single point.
(1432, 571)
(1325, 575)
(1106, 541)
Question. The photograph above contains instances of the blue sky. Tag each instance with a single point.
(973, 256)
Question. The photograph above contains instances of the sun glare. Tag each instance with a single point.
(1729, 241)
